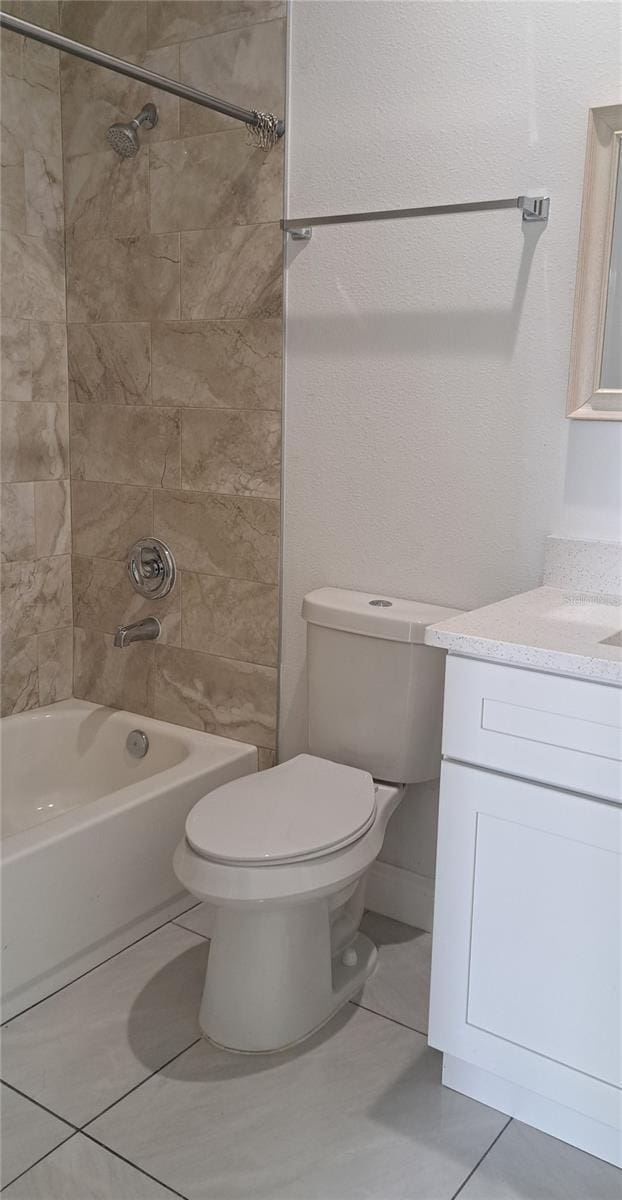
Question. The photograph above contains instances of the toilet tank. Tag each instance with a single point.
(375, 691)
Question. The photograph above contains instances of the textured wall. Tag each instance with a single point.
(35, 536)
(427, 360)
(174, 349)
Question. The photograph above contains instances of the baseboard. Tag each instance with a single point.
(531, 1108)
(400, 894)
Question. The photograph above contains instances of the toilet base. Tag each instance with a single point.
(367, 955)
(271, 980)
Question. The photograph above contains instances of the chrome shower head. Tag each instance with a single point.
(124, 137)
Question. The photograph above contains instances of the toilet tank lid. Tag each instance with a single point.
(373, 614)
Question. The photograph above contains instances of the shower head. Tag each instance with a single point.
(124, 138)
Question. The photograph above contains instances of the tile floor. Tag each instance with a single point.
(110, 1094)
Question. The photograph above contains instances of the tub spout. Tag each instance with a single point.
(141, 631)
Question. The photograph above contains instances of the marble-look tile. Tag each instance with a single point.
(119, 29)
(41, 70)
(179, 20)
(13, 198)
(217, 364)
(83, 1048)
(106, 675)
(19, 680)
(43, 176)
(53, 518)
(123, 279)
(104, 598)
(236, 536)
(232, 618)
(400, 985)
(36, 596)
(221, 696)
(94, 98)
(11, 47)
(231, 272)
(107, 519)
(265, 759)
(17, 522)
(107, 196)
(28, 1132)
(109, 364)
(33, 361)
(55, 665)
(15, 360)
(116, 444)
(13, 132)
(231, 452)
(48, 354)
(357, 1110)
(526, 1163)
(245, 66)
(31, 115)
(33, 277)
(42, 12)
(35, 442)
(81, 1168)
(245, 183)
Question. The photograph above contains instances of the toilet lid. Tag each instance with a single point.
(301, 809)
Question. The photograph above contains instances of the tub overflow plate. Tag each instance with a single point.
(137, 743)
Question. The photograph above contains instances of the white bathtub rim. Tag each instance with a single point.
(92, 812)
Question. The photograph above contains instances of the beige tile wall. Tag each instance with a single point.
(35, 536)
(174, 350)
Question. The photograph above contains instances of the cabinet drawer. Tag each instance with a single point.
(566, 732)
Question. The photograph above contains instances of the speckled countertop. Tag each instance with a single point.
(548, 629)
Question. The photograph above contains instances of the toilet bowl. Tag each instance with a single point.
(285, 951)
(283, 856)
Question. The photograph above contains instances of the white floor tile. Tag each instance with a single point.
(81, 1170)
(28, 1132)
(527, 1165)
(86, 1046)
(199, 919)
(400, 985)
(356, 1111)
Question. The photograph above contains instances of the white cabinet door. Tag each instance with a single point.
(527, 956)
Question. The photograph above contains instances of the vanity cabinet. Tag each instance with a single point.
(527, 956)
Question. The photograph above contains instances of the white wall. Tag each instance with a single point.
(426, 451)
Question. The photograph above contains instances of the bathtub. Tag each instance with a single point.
(88, 834)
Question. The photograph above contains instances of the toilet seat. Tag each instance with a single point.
(303, 809)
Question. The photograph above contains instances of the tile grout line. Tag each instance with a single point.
(50, 1111)
(38, 1160)
(385, 1017)
(480, 1161)
(110, 957)
(91, 1120)
(129, 1162)
(205, 936)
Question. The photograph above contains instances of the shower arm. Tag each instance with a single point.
(111, 63)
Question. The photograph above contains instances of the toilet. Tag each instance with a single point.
(283, 855)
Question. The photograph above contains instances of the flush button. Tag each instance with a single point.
(381, 604)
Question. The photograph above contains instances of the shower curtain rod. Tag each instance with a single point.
(101, 59)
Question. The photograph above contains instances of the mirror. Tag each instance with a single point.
(595, 382)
